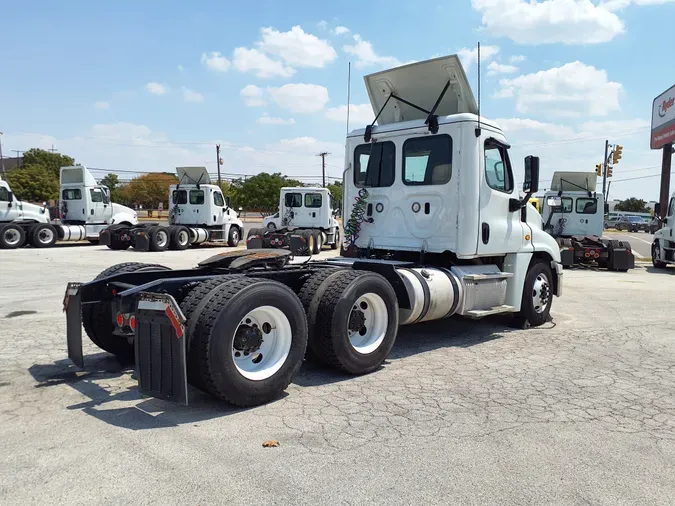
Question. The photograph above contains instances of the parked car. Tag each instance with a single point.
(272, 221)
(627, 223)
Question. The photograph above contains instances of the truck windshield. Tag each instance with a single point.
(72, 194)
(179, 197)
(196, 197)
(374, 164)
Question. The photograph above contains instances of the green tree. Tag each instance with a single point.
(112, 181)
(336, 191)
(632, 205)
(260, 192)
(33, 183)
(149, 190)
(50, 161)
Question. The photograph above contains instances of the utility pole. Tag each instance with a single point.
(604, 169)
(666, 164)
(52, 150)
(18, 154)
(323, 166)
(218, 163)
(2, 161)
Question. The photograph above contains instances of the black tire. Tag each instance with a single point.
(192, 300)
(43, 235)
(336, 242)
(97, 318)
(308, 247)
(318, 242)
(656, 261)
(215, 332)
(179, 238)
(528, 312)
(117, 244)
(310, 295)
(159, 238)
(330, 339)
(12, 236)
(234, 236)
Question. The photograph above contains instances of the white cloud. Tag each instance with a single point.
(300, 98)
(252, 95)
(215, 61)
(358, 114)
(340, 30)
(571, 90)
(517, 58)
(513, 125)
(155, 88)
(366, 56)
(549, 21)
(191, 96)
(180, 68)
(323, 24)
(270, 120)
(469, 56)
(253, 60)
(102, 105)
(296, 47)
(495, 68)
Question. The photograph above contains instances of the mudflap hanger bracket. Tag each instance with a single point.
(431, 121)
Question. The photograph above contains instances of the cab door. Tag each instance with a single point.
(99, 205)
(501, 230)
(7, 213)
(219, 207)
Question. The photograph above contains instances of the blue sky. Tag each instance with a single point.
(146, 86)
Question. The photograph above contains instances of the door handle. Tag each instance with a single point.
(485, 232)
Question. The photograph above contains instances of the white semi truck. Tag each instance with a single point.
(85, 210)
(306, 212)
(198, 213)
(573, 213)
(438, 227)
(663, 244)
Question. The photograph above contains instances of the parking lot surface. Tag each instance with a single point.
(580, 411)
(640, 242)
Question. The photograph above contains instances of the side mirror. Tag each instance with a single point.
(657, 208)
(239, 211)
(10, 197)
(554, 204)
(606, 208)
(227, 201)
(531, 182)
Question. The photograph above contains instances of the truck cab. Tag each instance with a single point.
(12, 209)
(663, 244)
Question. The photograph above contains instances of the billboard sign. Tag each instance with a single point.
(663, 119)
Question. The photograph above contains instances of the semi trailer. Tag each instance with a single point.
(305, 212)
(198, 213)
(438, 227)
(84, 212)
(573, 213)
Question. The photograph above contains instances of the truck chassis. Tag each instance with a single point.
(306, 241)
(588, 250)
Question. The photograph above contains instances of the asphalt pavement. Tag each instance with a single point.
(640, 242)
(579, 411)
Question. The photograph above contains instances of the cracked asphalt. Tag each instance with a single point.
(581, 411)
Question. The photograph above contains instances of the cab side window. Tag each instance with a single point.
(218, 199)
(498, 167)
(293, 200)
(4, 194)
(671, 207)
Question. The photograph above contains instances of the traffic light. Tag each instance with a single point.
(609, 171)
(616, 156)
(598, 169)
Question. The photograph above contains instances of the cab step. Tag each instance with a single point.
(477, 314)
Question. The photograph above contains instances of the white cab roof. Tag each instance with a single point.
(77, 174)
(193, 175)
(574, 181)
(421, 83)
(304, 189)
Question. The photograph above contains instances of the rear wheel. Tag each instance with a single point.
(159, 238)
(336, 242)
(537, 295)
(318, 242)
(308, 247)
(180, 238)
(97, 318)
(43, 235)
(12, 236)
(250, 340)
(657, 262)
(356, 322)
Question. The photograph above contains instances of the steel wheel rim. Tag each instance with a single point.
(319, 242)
(541, 293)
(656, 253)
(162, 238)
(235, 235)
(260, 361)
(45, 236)
(11, 236)
(311, 243)
(368, 322)
(183, 237)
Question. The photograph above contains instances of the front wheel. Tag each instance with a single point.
(537, 295)
(12, 236)
(656, 256)
(233, 237)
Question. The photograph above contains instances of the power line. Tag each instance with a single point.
(580, 139)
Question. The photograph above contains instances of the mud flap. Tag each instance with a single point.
(254, 242)
(72, 306)
(140, 239)
(620, 257)
(567, 257)
(105, 237)
(297, 243)
(161, 356)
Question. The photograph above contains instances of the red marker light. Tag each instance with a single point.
(132, 322)
(120, 319)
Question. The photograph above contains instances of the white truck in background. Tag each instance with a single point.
(306, 212)
(437, 227)
(573, 213)
(663, 244)
(198, 213)
(85, 210)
